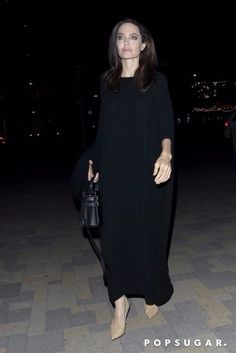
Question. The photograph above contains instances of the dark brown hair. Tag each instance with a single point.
(148, 62)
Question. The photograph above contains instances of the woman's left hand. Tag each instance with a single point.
(162, 169)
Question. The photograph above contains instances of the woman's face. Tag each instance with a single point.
(129, 41)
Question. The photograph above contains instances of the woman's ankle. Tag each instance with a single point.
(120, 300)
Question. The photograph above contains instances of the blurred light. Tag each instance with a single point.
(25, 26)
(95, 95)
(2, 140)
(194, 75)
(30, 83)
(226, 123)
(33, 111)
(58, 133)
(90, 112)
(38, 134)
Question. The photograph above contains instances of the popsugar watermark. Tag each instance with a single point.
(185, 342)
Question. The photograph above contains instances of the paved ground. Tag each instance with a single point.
(52, 297)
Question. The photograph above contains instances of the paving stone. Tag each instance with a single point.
(4, 307)
(20, 305)
(83, 318)
(51, 283)
(183, 326)
(3, 341)
(37, 320)
(34, 269)
(10, 290)
(163, 332)
(217, 280)
(99, 327)
(133, 341)
(17, 343)
(15, 267)
(58, 319)
(49, 342)
(26, 296)
(191, 311)
(90, 343)
(231, 305)
(13, 328)
(227, 334)
(182, 276)
(18, 315)
(9, 257)
(98, 289)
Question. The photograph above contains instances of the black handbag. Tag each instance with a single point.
(89, 214)
(90, 217)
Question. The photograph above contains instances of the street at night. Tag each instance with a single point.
(52, 294)
(53, 298)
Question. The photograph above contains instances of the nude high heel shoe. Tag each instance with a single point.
(118, 330)
(151, 310)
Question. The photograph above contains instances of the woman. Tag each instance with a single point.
(133, 146)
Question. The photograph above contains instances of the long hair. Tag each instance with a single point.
(148, 62)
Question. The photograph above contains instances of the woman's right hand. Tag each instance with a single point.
(90, 172)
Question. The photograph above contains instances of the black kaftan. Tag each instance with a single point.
(136, 211)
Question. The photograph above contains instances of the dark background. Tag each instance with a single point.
(52, 55)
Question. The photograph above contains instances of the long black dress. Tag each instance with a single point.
(136, 211)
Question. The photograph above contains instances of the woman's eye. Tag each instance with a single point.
(134, 37)
(119, 37)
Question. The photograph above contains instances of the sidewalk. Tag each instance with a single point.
(52, 297)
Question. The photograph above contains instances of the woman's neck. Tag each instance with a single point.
(128, 68)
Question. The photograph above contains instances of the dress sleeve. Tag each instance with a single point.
(97, 143)
(165, 109)
(79, 177)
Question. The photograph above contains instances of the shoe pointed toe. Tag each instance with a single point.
(151, 310)
(118, 329)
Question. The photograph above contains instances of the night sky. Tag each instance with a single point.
(63, 46)
(187, 34)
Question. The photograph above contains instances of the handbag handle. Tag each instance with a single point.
(93, 186)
